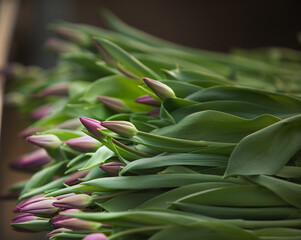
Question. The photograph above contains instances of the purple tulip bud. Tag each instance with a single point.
(58, 46)
(70, 124)
(64, 196)
(160, 89)
(112, 168)
(58, 89)
(29, 131)
(74, 201)
(41, 112)
(123, 128)
(92, 125)
(76, 224)
(42, 205)
(48, 141)
(56, 231)
(84, 144)
(25, 201)
(115, 104)
(95, 236)
(148, 100)
(26, 217)
(154, 112)
(35, 159)
(74, 177)
(60, 217)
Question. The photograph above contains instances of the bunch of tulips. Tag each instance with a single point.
(139, 138)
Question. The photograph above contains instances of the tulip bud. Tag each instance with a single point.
(160, 89)
(70, 124)
(58, 89)
(29, 131)
(92, 125)
(74, 177)
(95, 236)
(40, 205)
(115, 104)
(154, 112)
(25, 201)
(35, 159)
(84, 144)
(123, 128)
(56, 231)
(73, 201)
(60, 217)
(48, 141)
(28, 218)
(41, 112)
(148, 100)
(112, 168)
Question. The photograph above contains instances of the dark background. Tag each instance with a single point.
(207, 24)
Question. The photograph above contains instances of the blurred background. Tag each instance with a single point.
(207, 24)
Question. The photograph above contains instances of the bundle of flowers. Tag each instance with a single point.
(140, 138)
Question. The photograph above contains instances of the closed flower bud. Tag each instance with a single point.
(58, 89)
(95, 236)
(29, 131)
(74, 177)
(23, 218)
(42, 206)
(160, 89)
(56, 231)
(84, 144)
(25, 201)
(77, 224)
(60, 216)
(73, 201)
(48, 141)
(148, 100)
(115, 104)
(70, 124)
(92, 125)
(123, 128)
(112, 168)
(41, 112)
(154, 112)
(33, 160)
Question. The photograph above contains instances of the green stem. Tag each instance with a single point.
(112, 195)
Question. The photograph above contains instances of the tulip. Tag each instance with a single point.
(123, 128)
(115, 104)
(92, 125)
(73, 201)
(154, 112)
(41, 112)
(95, 236)
(40, 205)
(74, 177)
(160, 89)
(148, 100)
(84, 144)
(72, 35)
(35, 159)
(59, 46)
(26, 217)
(70, 124)
(58, 89)
(56, 231)
(76, 224)
(48, 141)
(112, 168)
(25, 201)
(29, 131)
(60, 216)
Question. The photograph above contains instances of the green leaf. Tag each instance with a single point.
(268, 150)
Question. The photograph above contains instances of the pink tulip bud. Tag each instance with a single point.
(123, 128)
(148, 100)
(74, 177)
(25, 201)
(160, 89)
(92, 125)
(112, 168)
(74, 201)
(58, 89)
(40, 205)
(48, 141)
(56, 231)
(115, 104)
(154, 112)
(23, 218)
(41, 112)
(84, 144)
(29, 131)
(70, 124)
(35, 159)
(95, 236)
